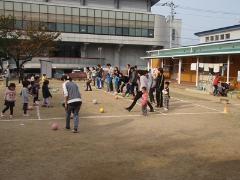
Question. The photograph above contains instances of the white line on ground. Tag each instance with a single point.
(38, 112)
(110, 116)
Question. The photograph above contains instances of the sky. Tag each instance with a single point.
(201, 15)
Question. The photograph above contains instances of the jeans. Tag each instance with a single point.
(151, 96)
(25, 108)
(73, 108)
(215, 92)
(99, 82)
(9, 104)
(159, 97)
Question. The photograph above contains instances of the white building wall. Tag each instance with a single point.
(134, 5)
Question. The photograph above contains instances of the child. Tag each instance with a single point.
(46, 94)
(25, 99)
(35, 90)
(166, 96)
(10, 98)
(144, 101)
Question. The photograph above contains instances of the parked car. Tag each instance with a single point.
(78, 74)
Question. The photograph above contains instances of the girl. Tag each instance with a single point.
(144, 101)
(89, 79)
(46, 94)
(10, 98)
(25, 99)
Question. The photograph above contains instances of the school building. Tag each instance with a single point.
(96, 31)
(199, 63)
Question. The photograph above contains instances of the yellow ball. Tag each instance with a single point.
(116, 97)
(101, 110)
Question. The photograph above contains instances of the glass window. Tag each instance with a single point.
(125, 23)
(26, 7)
(75, 19)
(119, 31)
(18, 15)
(35, 16)
(75, 11)
(132, 16)
(132, 32)
(112, 14)
(27, 16)
(83, 12)
(173, 34)
(125, 31)
(126, 16)
(150, 33)
(90, 29)
(90, 21)
(52, 9)
(151, 25)
(1, 5)
(104, 22)
(222, 36)
(68, 11)
(60, 27)
(83, 28)
(119, 15)
(206, 39)
(145, 17)
(35, 8)
(132, 24)
(44, 17)
(17, 6)
(217, 37)
(138, 24)
(18, 24)
(111, 22)
(151, 18)
(68, 19)
(52, 18)
(212, 38)
(139, 17)
(105, 14)
(52, 26)
(145, 32)
(8, 13)
(90, 12)
(112, 30)
(98, 30)
(98, 13)
(145, 24)
(43, 9)
(227, 36)
(98, 21)
(60, 18)
(83, 20)
(105, 30)
(68, 27)
(119, 23)
(60, 10)
(138, 32)
(8, 5)
(75, 28)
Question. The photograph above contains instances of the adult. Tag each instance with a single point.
(73, 103)
(215, 84)
(21, 75)
(133, 80)
(128, 70)
(110, 72)
(151, 85)
(99, 76)
(94, 75)
(142, 82)
(159, 87)
(7, 75)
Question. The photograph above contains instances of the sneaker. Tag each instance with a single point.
(67, 128)
(75, 131)
(11, 116)
(2, 115)
(165, 109)
(26, 115)
(128, 109)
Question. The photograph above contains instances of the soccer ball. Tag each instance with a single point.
(55, 126)
(101, 110)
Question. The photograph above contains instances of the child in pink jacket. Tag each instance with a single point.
(144, 101)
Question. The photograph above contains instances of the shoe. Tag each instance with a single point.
(157, 106)
(75, 131)
(151, 110)
(26, 115)
(165, 109)
(11, 116)
(2, 115)
(128, 109)
(67, 128)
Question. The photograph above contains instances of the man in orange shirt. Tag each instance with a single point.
(215, 84)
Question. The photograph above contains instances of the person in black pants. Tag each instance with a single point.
(160, 87)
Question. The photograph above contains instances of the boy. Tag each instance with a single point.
(166, 96)
(25, 99)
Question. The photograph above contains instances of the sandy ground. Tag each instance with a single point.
(194, 140)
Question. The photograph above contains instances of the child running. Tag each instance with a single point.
(25, 98)
(46, 94)
(144, 101)
(10, 98)
(166, 96)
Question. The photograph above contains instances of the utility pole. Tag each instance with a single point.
(172, 8)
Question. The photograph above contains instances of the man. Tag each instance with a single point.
(142, 83)
(7, 75)
(133, 80)
(99, 76)
(110, 72)
(160, 87)
(73, 103)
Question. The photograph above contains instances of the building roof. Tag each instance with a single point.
(153, 2)
(218, 48)
(218, 30)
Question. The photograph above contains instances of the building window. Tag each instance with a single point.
(52, 26)
(60, 27)
(75, 28)
(105, 30)
(132, 32)
(227, 36)
(173, 34)
(222, 36)
(112, 30)
(212, 38)
(216, 37)
(125, 31)
(119, 31)
(83, 29)
(90, 29)
(150, 33)
(98, 30)
(206, 39)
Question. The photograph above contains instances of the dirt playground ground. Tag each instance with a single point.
(194, 140)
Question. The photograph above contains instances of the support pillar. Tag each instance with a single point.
(179, 71)
(162, 63)
(228, 68)
(84, 50)
(197, 72)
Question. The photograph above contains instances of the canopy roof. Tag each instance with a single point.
(221, 48)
